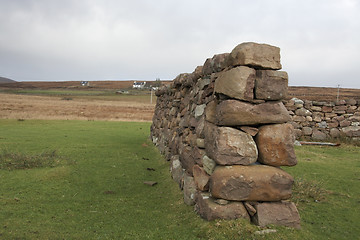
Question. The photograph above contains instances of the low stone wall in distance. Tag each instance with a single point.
(226, 132)
(325, 120)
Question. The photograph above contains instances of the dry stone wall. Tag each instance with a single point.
(325, 120)
(225, 130)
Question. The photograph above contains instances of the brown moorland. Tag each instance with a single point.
(114, 107)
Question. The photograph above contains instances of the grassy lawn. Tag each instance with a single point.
(84, 180)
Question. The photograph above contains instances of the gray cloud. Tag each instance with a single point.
(143, 39)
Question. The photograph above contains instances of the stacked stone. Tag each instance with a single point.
(325, 120)
(224, 128)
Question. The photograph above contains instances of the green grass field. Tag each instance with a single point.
(84, 180)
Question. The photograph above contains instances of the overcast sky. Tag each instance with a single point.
(144, 39)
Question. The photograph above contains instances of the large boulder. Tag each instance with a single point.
(237, 113)
(236, 83)
(259, 56)
(271, 85)
(229, 146)
(278, 213)
(209, 210)
(276, 145)
(251, 183)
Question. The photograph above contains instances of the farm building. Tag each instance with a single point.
(139, 85)
(85, 83)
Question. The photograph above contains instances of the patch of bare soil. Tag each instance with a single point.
(14, 106)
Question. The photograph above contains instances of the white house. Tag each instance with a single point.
(139, 85)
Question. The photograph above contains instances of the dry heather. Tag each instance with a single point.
(14, 106)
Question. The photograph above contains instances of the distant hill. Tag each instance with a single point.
(6, 80)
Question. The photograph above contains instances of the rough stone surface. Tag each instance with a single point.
(189, 190)
(276, 145)
(208, 164)
(201, 178)
(271, 85)
(250, 208)
(209, 210)
(176, 170)
(210, 111)
(228, 146)
(335, 133)
(187, 158)
(307, 131)
(251, 183)
(199, 110)
(215, 64)
(200, 143)
(351, 131)
(249, 130)
(318, 135)
(236, 83)
(259, 56)
(279, 213)
(236, 113)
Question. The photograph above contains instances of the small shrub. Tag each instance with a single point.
(12, 161)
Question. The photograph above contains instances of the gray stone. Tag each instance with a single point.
(208, 164)
(271, 85)
(189, 190)
(322, 124)
(236, 83)
(303, 112)
(297, 101)
(199, 110)
(203, 82)
(259, 56)
(229, 146)
(176, 170)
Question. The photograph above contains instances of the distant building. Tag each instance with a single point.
(139, 85)
(85, 83)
